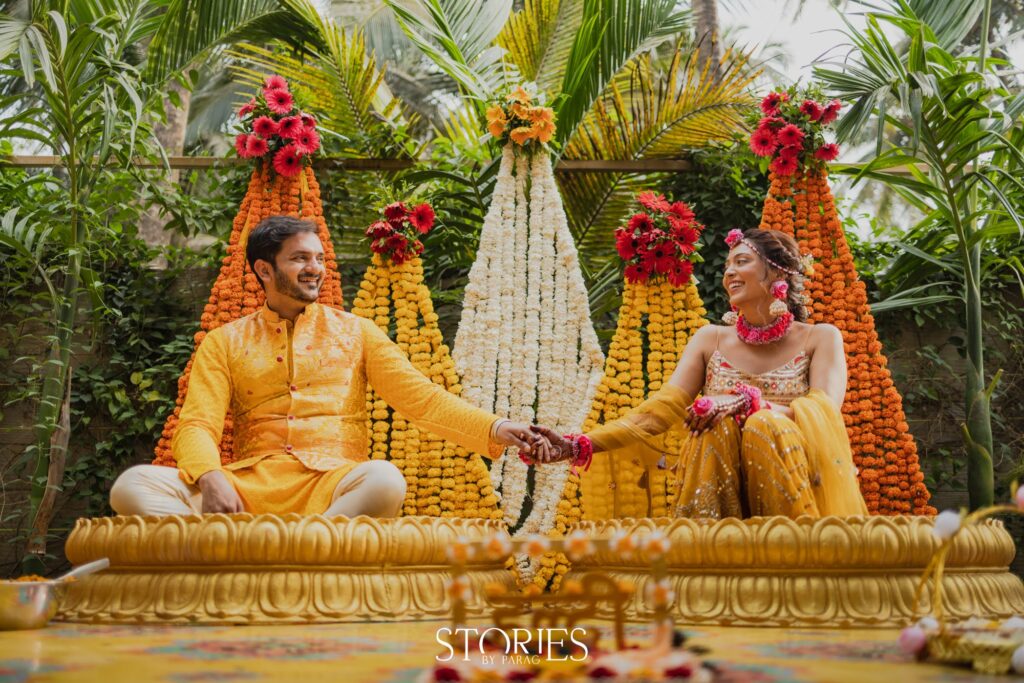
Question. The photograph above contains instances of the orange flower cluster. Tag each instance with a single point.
(612, 487)
(443, 480)
(237, 292)
(518, 119)
(883, 448)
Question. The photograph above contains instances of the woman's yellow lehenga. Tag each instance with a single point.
(771, 465)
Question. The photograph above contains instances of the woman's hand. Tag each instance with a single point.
(722, 406)
(518, 434)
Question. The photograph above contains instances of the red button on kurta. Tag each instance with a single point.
(280, 359)
(293, 388)
(288, 447)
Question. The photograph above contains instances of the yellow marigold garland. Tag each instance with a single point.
(612, 488)
(443, 480)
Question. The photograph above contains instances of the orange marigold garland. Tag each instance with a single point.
(801, 204)
(237, 292)
(443, 479)
(665, 293)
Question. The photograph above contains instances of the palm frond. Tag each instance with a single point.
(656, 116)
(190, 28)
(612, 34)
(458, 35)
(539, 39)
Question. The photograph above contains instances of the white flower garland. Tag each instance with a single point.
(526, 342)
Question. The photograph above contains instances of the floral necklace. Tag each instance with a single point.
(752, 334)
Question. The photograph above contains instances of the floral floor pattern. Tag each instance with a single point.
(399, 652)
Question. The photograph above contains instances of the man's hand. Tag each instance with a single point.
(218, 493)
(518, 434)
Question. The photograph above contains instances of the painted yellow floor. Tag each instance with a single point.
(398, 653)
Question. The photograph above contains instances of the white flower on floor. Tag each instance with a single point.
(947, 523)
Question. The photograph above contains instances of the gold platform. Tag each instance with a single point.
(265, 569)
(831, 572)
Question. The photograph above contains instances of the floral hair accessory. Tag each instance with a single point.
(734, 237)
(780, 288)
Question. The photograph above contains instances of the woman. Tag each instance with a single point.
(767, 436)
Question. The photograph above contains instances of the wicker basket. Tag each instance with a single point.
(986, 651)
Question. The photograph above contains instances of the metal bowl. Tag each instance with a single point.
(27, 604)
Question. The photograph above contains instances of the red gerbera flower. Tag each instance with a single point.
(306, 140)
(397, 242)
(770, 103)
(379, 229)
(687, 236)
(279, 101)
(790, 134)
(288, 161)
(275, 83)
(264, 126)
(652, 201)
(288, 127)
(827, 152)
(636, 272)
(768, 122)
(641, 221)
(665, 264)
(256, 146)
(682, 210)
(422, 218)
(680, 274)
(396, 212)
(831, 112)
(308, 121)
(247, 108)
(624, 244)
(784, 165)
(790, 151)
(242, 145)
(811, 110)
(763, 142)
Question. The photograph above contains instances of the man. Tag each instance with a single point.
(294, 375)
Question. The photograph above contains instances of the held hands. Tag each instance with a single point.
(218, 493)
(519, 435)
(559, 448)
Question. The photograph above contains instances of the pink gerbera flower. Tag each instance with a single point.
(288, 161)
(811, 110)
(308, 121)
(784, 165)
(242, 145)
(247, 108)
(306, 140)
(422, 218)
(275, 83)
(790, 134)
(763, 142)
(279, 101)
(827, 152)
(264, 126)
(255, 146)
(289, 126)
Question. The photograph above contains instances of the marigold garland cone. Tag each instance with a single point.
(236, 292)
(883, 448)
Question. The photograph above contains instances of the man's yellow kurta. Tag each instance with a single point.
(298, 398)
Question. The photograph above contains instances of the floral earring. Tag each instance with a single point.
(731, 317)
(780, 289)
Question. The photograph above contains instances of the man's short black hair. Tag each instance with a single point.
(266, 238)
